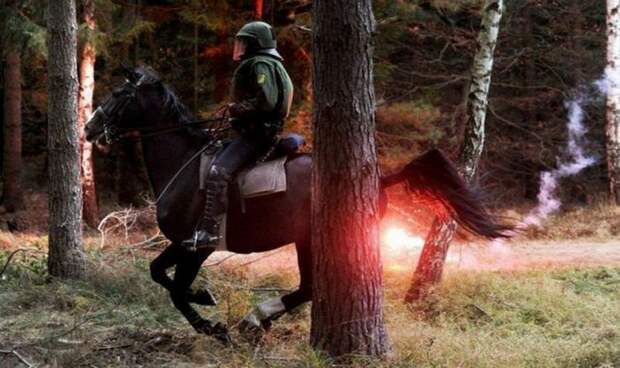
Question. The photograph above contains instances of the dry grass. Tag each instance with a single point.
(598, 221)
(119, 318)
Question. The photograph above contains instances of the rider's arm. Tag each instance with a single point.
(266, 98)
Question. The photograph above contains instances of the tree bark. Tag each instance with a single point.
(90, 209)
(66, 257)
(431, 263)
(12, 195)
(613, 100)
(347, 308)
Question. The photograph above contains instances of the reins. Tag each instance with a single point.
(113, 133)
(185, 165)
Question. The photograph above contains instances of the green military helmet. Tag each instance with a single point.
(262, 33)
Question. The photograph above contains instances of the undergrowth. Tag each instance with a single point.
(118, 317)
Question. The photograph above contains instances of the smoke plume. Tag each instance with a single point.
(574, 160)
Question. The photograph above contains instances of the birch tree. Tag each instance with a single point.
(66, 257)
(613, 99)
(347, 304)
(85, 108)
(433, 257)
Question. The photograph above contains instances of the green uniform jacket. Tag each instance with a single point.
(262, 92)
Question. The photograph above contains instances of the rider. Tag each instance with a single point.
(262, 93)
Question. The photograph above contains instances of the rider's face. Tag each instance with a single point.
(239, 49)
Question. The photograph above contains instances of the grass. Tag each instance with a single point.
(118, 317)
(598, 221)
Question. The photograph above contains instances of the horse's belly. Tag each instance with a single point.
(261, 224)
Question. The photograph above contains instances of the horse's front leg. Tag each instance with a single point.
(169, 258)
(187, 268)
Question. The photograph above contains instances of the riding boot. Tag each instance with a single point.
(207, 233)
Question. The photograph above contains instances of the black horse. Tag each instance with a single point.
(144, 105)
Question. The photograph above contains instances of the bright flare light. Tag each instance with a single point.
(397, 239)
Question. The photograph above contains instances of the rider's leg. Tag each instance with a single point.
(236, 154)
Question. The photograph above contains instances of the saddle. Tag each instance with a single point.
(264, 177)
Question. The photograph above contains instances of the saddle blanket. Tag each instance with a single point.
(260, 180)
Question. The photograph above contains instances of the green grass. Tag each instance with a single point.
(118, 317)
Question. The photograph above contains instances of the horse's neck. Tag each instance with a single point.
(165, 154)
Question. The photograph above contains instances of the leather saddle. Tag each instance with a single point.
(268, 175)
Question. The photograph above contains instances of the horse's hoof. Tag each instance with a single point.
(219, 331)
(203, 297)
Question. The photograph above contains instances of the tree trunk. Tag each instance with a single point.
(613, 100)
(433, 257)
(347, 307)
(258, 9)
(66, 257)
(85, 108)
(12, 195)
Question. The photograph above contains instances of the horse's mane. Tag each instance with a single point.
(172, 105)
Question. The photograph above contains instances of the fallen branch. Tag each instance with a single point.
(10, 258)
(21, 358)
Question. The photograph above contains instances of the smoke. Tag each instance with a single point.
(573, 163)
(574, 160)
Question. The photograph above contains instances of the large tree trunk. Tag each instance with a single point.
(613, 100)
(347, 307)
(85, 108)
(12, 195)
(433, 257)
(66, 257)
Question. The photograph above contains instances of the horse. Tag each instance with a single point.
(146, 108)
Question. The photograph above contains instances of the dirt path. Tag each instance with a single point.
(515, 255)
(532, 254)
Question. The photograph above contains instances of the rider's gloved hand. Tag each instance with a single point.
(241, 109)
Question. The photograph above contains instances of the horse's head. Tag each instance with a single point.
(125, 111)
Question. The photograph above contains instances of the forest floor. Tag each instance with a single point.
(536, 301)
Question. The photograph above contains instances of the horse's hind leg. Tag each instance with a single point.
(168, 258)
(185, 273)
(270, 310)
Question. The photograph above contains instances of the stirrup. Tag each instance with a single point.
(206, 241)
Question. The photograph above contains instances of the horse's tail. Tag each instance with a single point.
(433, 177)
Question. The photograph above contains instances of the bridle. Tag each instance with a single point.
(113, 133)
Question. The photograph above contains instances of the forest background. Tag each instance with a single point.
(546, 51)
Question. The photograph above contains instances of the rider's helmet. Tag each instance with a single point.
(255, 37)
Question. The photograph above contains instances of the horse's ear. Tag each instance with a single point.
(130, 73)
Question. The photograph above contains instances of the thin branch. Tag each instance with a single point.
(10, 258)
(263, 257)
(21, 358)
(217, 263)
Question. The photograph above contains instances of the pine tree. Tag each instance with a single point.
(66, 257)
(347, 304)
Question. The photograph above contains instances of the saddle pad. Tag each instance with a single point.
(265, 178)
